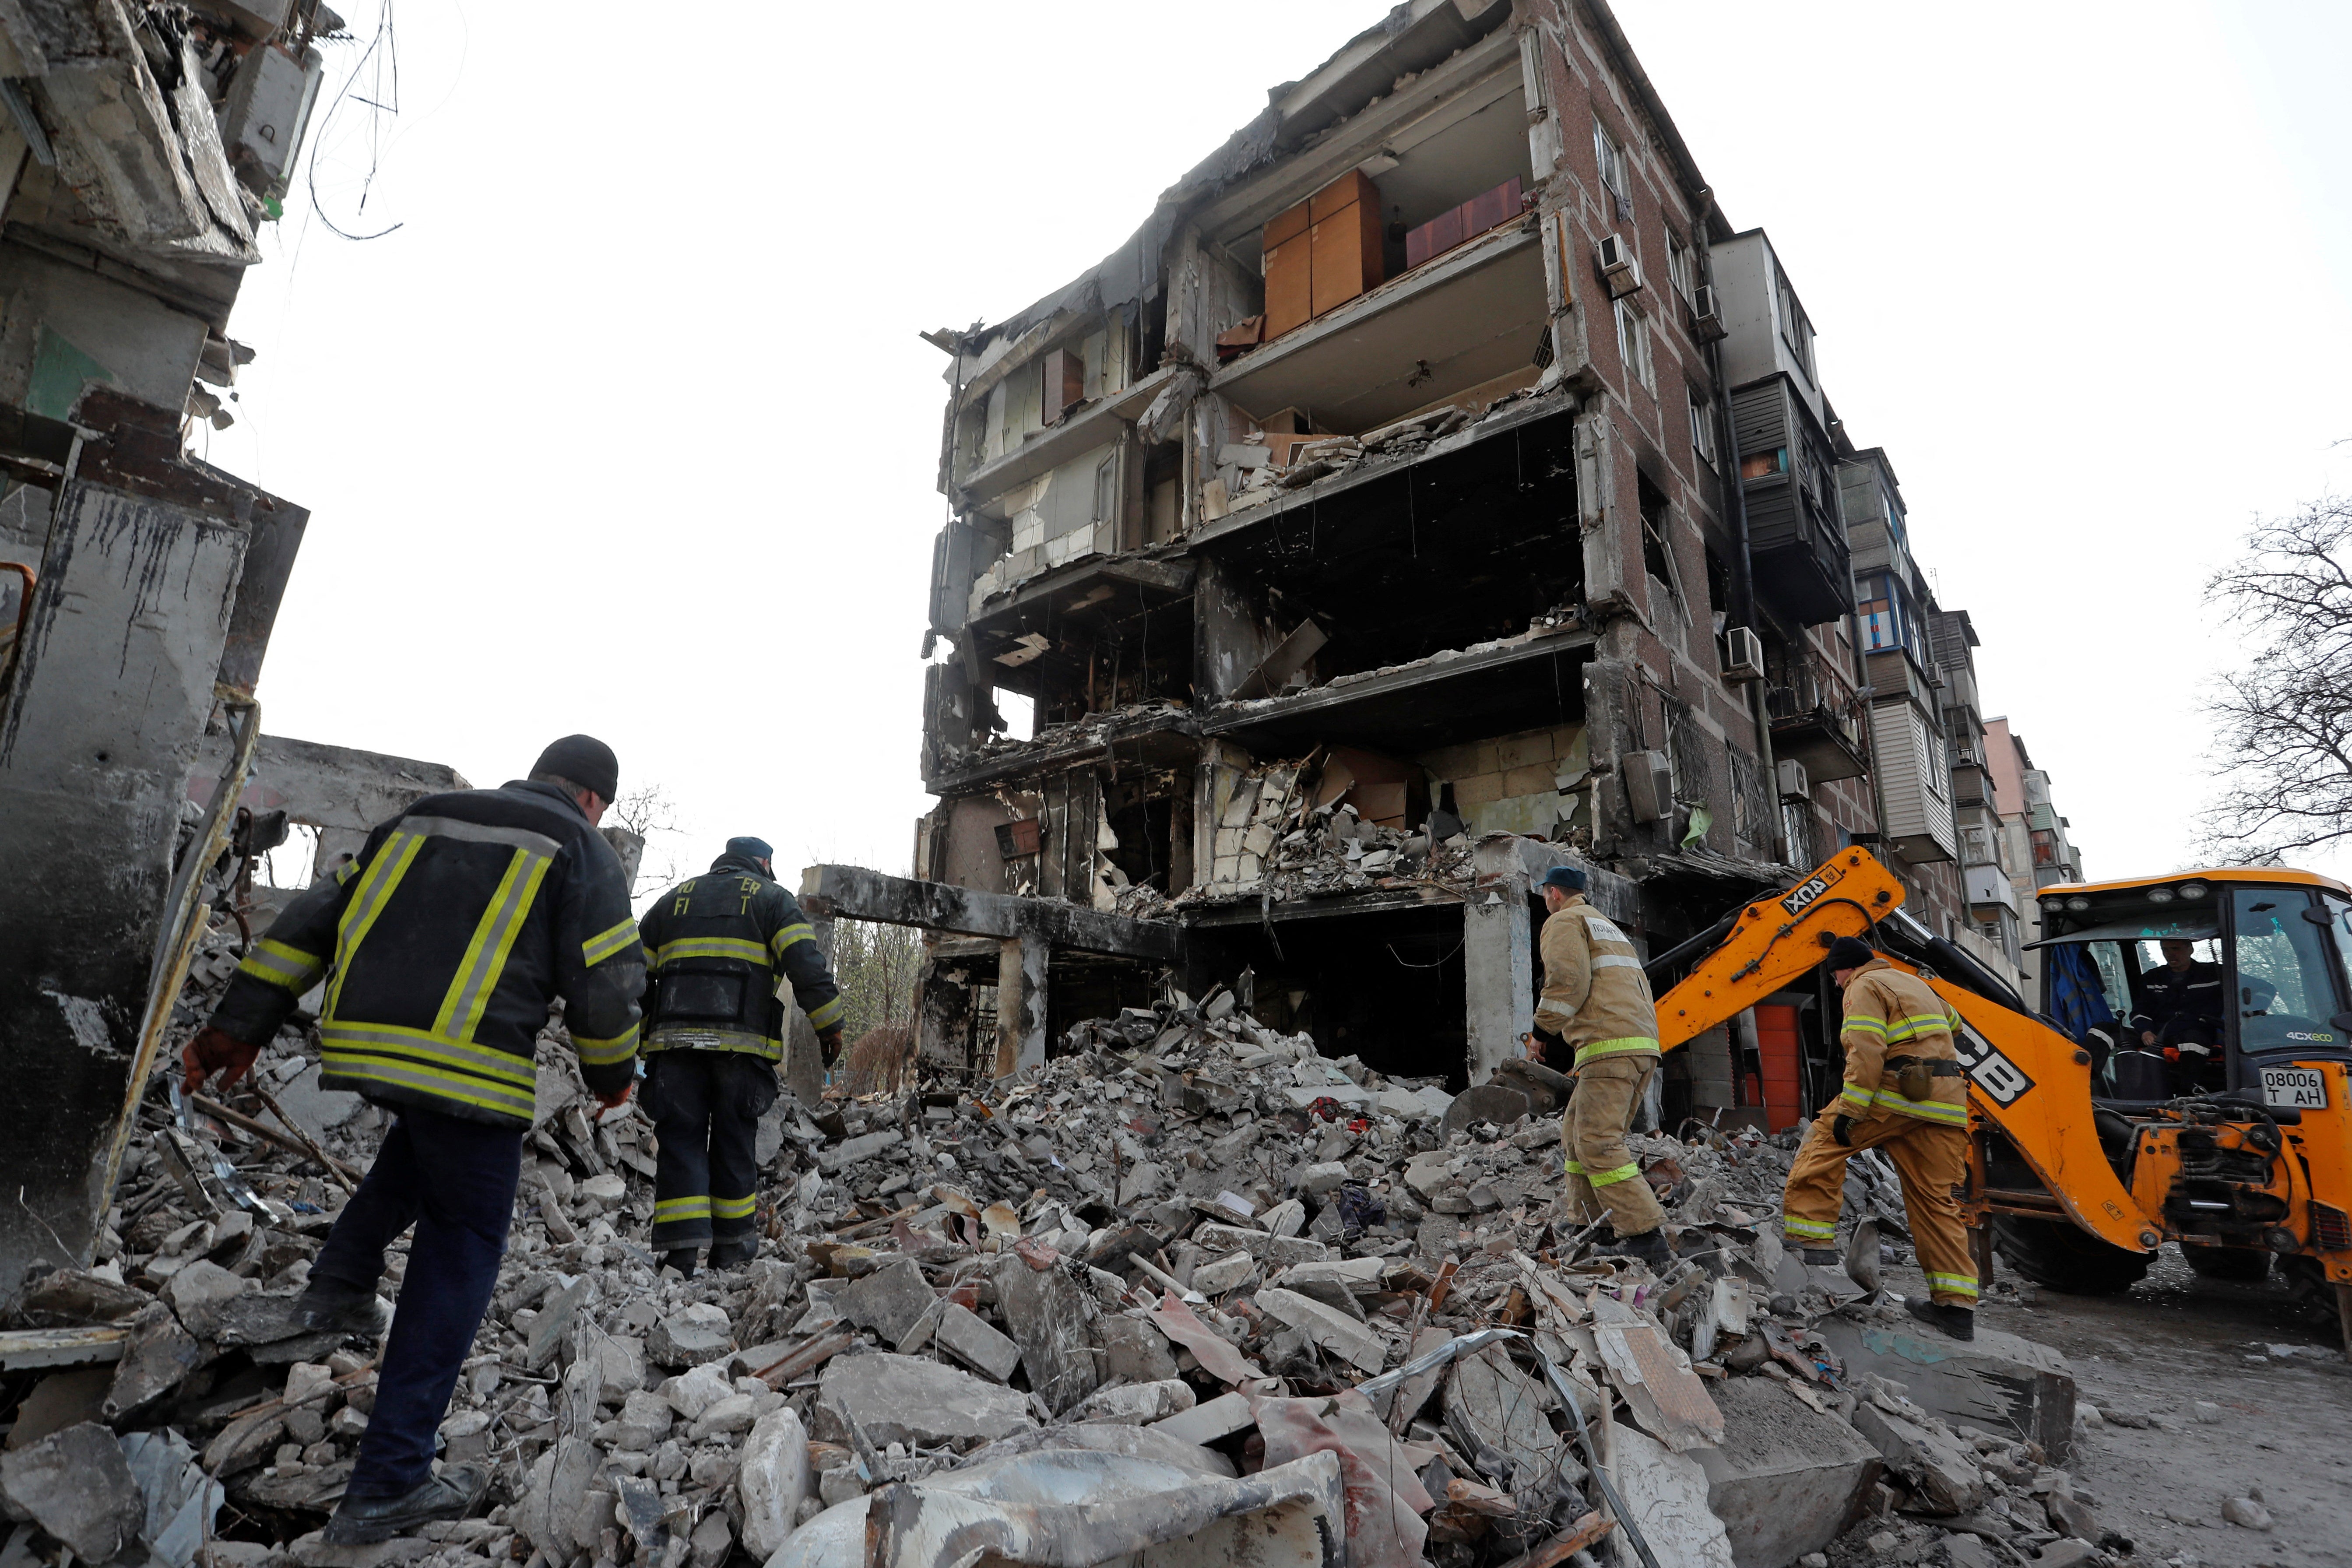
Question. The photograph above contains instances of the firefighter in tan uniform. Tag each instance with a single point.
(1596, 1002)
(1905, 1092)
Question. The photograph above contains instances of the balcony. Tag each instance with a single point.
(1819, 720)
(1796, 540)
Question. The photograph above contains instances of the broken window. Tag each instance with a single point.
(1679, 271)
(1614, 176)
(1657, 554)
(1634, 340)
(1702, 419)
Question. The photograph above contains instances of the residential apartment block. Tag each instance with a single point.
(1437, 487)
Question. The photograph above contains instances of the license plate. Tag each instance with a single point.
(2294, 1089)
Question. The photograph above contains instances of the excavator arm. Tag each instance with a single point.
(2025, 1078)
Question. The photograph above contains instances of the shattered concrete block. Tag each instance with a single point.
(1934, 1462)
(1997, 1382)
(890, 1300)
(711, 1539)
(1335, 1282)
(1279, 1250)
(968, 1337)
(1051, 1319)
(692, 1336)
(1224, 1273)
(199, 1292)
(645, 1420)
(606, 1192)
(695, 1390)
(1134, 1351)
(724, 1418)
(60, 1400)
(1786, 1478)
(771, 1481)
(1317, 1180)
(1136, 1403)
(549, 1329)
(851, 1151)
(1327, 1327)
(311, 1551)
(1426, 1174)
(318, 1111)
(1287, 1217)
(2246, 1513)
(1491, 1404)
(75, 1485)
(902, 1399)
(1665, 1494)
(620, 1365)
(156, 1359)
(2070, 1516)
(1208, 1420)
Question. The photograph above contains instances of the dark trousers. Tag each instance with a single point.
(455, 1181)
(706, 1107)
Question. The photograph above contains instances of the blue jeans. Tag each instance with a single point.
(455, 1181)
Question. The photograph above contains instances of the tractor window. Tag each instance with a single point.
(2342, 926)
(2285, 975)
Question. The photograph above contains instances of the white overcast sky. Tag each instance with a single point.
(625, 428)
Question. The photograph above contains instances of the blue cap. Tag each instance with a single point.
(1566, 879)
(751, 848)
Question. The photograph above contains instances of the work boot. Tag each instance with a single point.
(1823, 1257)
(452, 1494)
(682, 1260)
(346, 1311)
(1649, 1247)
(1957, 1322)
(731, 1253)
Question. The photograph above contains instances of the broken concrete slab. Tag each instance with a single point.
(315, 1109)
(1050, 1317)
(890, 1300)
(1491, 1404)
(60, 1400)
(965, 1334)
(75, 1485)
(1134, 1349)
(1997, 1383)
(156, 1359)
(1934, 1462)
(771, 1480)
(1786, 1479)
(1327, 1326)
(1665, 1497)
(1136, 1403)
(902, 1399)
(199, 1292)
(692, 1336)
(1280, 1251)
(1208, 1420)
(1221, 1275)
(697, 1390)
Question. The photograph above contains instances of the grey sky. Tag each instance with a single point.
(627, 428)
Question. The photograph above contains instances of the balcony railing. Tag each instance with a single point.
(1819, 720)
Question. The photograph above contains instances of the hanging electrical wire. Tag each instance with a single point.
(378, 68)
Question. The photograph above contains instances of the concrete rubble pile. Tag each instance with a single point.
(1188, 1281)
(1275, 838)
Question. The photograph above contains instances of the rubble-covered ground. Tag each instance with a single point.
(1189, 1269)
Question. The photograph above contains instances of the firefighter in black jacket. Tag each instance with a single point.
(2181, 1014)
(716, 945)
(442, 944)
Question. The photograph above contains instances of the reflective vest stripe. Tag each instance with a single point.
(493, 940)
(357, 1065)
(288, 968)
(733, 1208)
(784, 937)
(825, 1016)
(606, 1053)
(605, 944)
(1624, 1046)
(744, 948)
(1610, 1178)
(367, 902)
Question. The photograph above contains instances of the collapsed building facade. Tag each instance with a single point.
(142, 149)
(1437, 487)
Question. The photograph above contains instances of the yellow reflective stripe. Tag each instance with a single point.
(346, 871)
(605, 1053)
(604, 944)
(826, 1017)
(1623, 1046)
(713, 947)
(288, 968)
(1954, 1284)
(1552, 1004)
(1610, 1178)
(1925, 1110)
(733, 1208)
(1856, 1096)
(699, 1037)
(463, 1055)
(493, 940)
(681, 1209)
(798, 931)
(1573, 1168)
(1808, 1229)
(1861, 1025)
(367, 902)
(399, 1073)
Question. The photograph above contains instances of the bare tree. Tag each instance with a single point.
(648, 812)
(2283, 723)
(875, 966)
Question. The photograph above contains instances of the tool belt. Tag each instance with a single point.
(1916, 1076)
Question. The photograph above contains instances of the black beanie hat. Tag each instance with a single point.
(586, 762)
(1849, 953)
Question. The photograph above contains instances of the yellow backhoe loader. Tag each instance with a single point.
(2096, 1137)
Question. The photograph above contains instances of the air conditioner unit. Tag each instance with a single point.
(1794, 786)
(1707, 321)
(1649, 785)
(1743, 654)
(1618, 268)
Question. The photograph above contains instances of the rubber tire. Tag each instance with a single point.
(2061, 1257)
(2239, 1265)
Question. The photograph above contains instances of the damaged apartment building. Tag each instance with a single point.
(1438, 486)
(142, 147)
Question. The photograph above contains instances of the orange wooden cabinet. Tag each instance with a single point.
(1322, 253)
